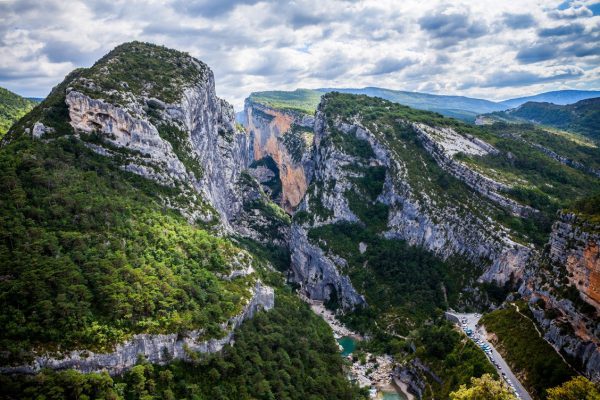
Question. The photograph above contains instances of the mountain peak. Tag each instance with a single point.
(144, 69)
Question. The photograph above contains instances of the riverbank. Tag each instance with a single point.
(376, 371)
(339, 330)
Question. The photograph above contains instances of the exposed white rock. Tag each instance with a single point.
(452, 142)
(444, 143)
(158, 349)
(222, 151)
(445, 229)
(317, 274)
(362, 247)
(120, 129)
(39, 130)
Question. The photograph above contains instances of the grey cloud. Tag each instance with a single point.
(518, 21)
(246, 50)
(330, 68)
(59, 51)
(448, 29)
(524, 78)
(390, 64)
(208, 8)
(21, 7)
(303, 18)
(563, 30)
(536, 53)
(300, 14)
(272, 63)
(571, 13)
(582, 49)
(12, 74)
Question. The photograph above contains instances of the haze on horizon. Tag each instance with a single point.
(493, 49)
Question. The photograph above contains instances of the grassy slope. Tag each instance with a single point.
(588, 209)
(527, 353)
(537, 179)
(143, 69)
(460, 107)
(303, 100)
(306, 100)
(12, 107)
(556, 97)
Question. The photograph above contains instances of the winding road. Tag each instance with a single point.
(479, 332)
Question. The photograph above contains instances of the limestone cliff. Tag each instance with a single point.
(156, 348)
(197, 130)
(444, 143)
(318, 274)
(286, 137)
(442, 225)
(168, 126)
(574, 245)
(563, 291)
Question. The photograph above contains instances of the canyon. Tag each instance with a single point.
(289, 181)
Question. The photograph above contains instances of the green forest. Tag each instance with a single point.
(526, 352)
(90, 256)
(12, 107)
(287, 353)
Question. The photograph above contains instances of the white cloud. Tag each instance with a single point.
(490, 48)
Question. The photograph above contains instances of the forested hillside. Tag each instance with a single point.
(582, 117)
(12, 107)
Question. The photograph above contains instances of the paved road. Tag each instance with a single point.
(472, 320)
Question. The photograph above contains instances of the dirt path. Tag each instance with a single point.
(542, 336)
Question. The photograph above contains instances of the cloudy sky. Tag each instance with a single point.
(493, 49)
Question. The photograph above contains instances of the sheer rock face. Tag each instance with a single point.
(449, 229)
(267, 127)
(445, 229)
(121, 129)
(318, 274)
(210, 138)
(576, 246)
(158, 349)
(571, 258)
(568, 330)
(222, 150)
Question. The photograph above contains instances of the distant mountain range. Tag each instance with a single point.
(582, 117)
(561, 97)
(461, 107)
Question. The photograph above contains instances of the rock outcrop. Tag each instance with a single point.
(568, 330)
(177, 132)
(565, 160)
(318, 275)
(444, 143)
(209, 140)
(122, 130)
(575, 245)
(158, 349)
(563, 292)
(444, 227)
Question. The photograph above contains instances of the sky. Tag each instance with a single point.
(493, 49)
